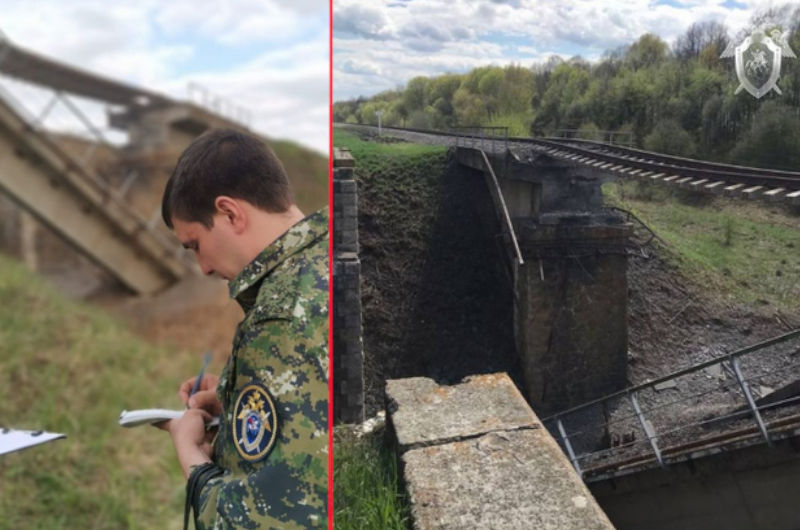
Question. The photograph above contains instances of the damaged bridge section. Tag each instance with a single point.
(476, 456)
(568, 259)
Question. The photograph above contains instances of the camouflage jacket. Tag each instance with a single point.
(281, 347)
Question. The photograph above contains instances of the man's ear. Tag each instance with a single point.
(232, 210)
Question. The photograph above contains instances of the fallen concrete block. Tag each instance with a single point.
(476, 456)
(501, 480)
(426, 413)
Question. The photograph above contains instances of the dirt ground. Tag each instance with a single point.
(194, 315)
(435, 302)
(674, 323)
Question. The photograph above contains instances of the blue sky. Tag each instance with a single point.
(268, 56)
(381, 44)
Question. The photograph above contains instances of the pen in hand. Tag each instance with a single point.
(200, 375)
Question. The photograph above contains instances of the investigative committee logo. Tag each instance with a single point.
(255, 425)
(758, 61)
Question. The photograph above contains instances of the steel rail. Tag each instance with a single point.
(774, 179)
(672, 160)
(654, 162)
(781, 425)
(695, 368)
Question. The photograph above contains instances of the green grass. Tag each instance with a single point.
(745, 252)
(366, 490)
(308, 173)
(67, 367)
(402, 174)
(377, 155)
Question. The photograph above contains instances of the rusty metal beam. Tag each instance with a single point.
(64, 196)
(23, 64)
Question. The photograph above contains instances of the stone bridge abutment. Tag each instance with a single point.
(570, 291)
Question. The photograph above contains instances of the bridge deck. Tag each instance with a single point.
(68, 198)
(617, 162)
(23, 64)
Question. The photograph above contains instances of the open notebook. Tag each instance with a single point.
(134, 418)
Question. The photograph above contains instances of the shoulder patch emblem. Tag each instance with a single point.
(255, 425)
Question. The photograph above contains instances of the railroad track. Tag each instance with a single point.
(698, 175)
(685, 172)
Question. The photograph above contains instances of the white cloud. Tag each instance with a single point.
(279, 51)
(242, 21)
(286, 90)
(392, 41)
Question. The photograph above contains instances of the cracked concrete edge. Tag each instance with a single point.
(445, 441)
(423, 413)
(512, 481)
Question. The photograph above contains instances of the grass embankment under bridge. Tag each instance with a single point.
(72, 368)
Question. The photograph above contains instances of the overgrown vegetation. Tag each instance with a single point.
(366, 486)
(308, 173)
(378, 155)
(66, 367)
(740, 251)
(680, 100)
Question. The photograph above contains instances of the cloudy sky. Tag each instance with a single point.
(381, 44)
(269, 56)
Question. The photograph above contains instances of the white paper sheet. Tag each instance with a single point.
(13, 440)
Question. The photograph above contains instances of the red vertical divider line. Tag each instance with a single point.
(330, 264)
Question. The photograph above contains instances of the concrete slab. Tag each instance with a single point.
(476, 456)
(501, 480)
(425, 413)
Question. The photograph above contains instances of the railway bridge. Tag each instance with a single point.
(567, 254)
(712, 446)
(78, 187)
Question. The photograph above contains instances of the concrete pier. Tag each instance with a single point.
(570, 292)
(571, 308)
(475, 456)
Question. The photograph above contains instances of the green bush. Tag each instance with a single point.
(773, 139)
(670, 138)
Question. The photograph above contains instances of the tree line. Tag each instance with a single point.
(679, 100)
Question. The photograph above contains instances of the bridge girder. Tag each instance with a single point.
(65, 197)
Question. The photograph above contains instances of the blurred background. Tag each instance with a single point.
(100, 309)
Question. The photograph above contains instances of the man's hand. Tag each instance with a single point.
(206, 396)
(189, 436)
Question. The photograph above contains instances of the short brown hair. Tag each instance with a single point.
(224, 162)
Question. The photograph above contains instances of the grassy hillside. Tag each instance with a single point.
(70, 368)
(740, 252)
(308, 172)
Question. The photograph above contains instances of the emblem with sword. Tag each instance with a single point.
(758, 61)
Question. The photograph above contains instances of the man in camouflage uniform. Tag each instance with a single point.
(229, 201)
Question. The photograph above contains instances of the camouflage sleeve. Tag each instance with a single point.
(286, 488)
